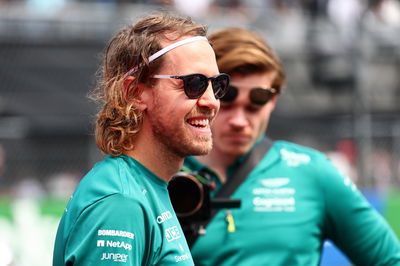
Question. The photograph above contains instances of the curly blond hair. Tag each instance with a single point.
(119, 120)
(240, 51)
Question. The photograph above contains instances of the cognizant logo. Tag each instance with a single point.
(163, 217)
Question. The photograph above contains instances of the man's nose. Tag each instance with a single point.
(238, 118)
(208, 99)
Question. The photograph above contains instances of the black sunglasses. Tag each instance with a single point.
(258, 96)
(196, 84)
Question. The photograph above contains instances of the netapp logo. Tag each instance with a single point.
(114, 244)
(163, 217)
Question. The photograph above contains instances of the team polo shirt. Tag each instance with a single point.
(120, 214)
(292, 201)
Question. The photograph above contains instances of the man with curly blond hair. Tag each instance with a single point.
(159, 91)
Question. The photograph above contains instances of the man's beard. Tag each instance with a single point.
(179, 139)
(180, 143)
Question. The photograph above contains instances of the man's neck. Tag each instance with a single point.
(218, 162)
(159, 161)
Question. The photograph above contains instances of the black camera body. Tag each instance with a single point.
(190, 198)
(190, 195)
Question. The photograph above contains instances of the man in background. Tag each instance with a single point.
(294, 199)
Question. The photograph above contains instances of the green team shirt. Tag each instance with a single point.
(120, 214)
(291, 202)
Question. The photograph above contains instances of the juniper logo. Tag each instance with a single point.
(117, 257)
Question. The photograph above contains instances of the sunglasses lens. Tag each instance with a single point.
(220, 85)
(260, 96)
(195, 85)
(230, 95)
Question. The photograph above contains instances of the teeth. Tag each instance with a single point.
(202, 123)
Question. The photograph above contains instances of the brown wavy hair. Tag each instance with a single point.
(240, 51)
(119, 120)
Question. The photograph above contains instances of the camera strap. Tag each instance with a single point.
(244, 169)
(241, 174)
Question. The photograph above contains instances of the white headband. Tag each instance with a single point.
(165, 50)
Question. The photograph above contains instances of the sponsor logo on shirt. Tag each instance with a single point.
(172, 233)
(274, 186)
(272, 196)
(163, 217)
(100, 243)
(275, 182)
(273, 202)
(276, 191)
(114, 244)
(183, 257)
(120, 233)
(294, 159)
(117, 257)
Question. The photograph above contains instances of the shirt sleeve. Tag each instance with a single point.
(112, 231)
(353, 225)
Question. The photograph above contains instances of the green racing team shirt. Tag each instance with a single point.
(292, 201)
(120, 214)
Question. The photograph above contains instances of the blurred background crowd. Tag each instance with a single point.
(342, 60)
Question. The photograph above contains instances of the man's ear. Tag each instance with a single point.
(140, 101)
(127, 82)
(145, 97)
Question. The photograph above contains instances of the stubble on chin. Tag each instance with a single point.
(204, 149)
(195, 147)
(181, 144)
